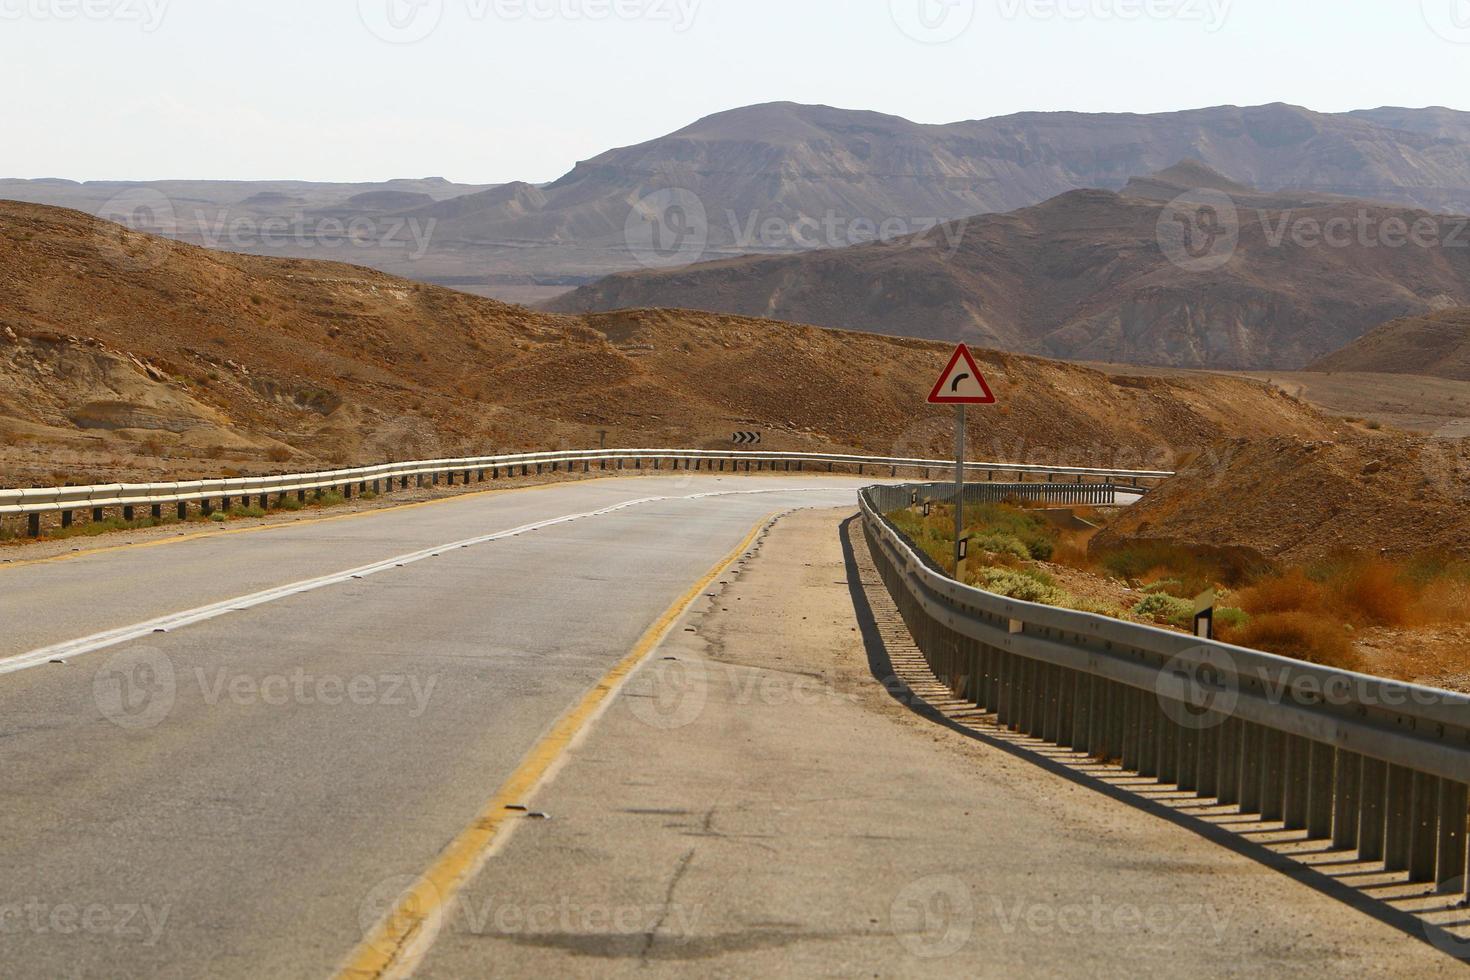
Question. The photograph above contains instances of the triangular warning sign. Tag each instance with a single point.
(962, 383)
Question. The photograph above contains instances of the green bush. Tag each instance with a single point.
(218, 517)
(1232, 618)
(1000, 543)
(291, 503)
(1166, 609)
(1026, 588)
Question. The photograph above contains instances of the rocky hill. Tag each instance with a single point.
(1279, 280)
(1437, 345)
(126, 356)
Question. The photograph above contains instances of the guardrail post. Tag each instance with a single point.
(33, 525)
(1295, 783)
(1322, 762)
(1273, 774)
(1148, 735)
(1207, 766)
(97, 515)
(1229, 782)
(1454, 807)
(66, 518)
(1372, 821)
(1250, 767)
(449, 478)
(128, 512)
(183, 511)
(1398, 829)
(1423, 827)
(346, 491)
(1188, 769)
(1346, 801)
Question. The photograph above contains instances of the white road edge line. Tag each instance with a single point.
(190, 617)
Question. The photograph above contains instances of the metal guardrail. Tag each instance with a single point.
(1372, 765)
(156, 496)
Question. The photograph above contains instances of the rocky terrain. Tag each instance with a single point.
(1290, 500)
(1437, 346)
(126, 356)
(848, 170)
(1279, 280)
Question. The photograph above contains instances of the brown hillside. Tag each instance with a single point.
(1437, 345)
(1084, 276)
(126, 356)
(1293, 500)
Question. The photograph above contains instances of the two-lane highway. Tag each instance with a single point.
(235, 791)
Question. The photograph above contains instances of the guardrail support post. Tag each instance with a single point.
(1323, 764)
(1454, 806)
(66, 518)
(156, 512)
(1250, 767)
(33, 525)
(1207, 765)
(1423, 828)
(450, 478)
(128, 512)
(346, 491)
(1346, 801)
(1188, 771)
(1273, 774)
(1372, 822)
(183, 511)
(1296, 783)
(1229, 782)
(97, 515)
(1398, 829)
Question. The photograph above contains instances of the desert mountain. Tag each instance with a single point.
(850, 171)
(1437, 345)
(126, 356)
(1300, 501)
(1235, 279)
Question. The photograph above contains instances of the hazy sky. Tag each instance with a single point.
(491, 90)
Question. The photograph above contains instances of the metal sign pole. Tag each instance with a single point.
(959, 492)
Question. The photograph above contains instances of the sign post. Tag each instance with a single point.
(961, 384)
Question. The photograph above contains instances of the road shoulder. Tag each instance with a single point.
(756, 802)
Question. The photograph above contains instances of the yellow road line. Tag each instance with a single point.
(307, 522)
(398, 943)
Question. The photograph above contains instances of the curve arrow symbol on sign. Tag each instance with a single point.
(962, 383)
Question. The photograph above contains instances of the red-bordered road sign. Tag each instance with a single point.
(962, 382)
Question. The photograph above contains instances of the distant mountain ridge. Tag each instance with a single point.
(1096, 275)
(1437, 345)
(790, 163)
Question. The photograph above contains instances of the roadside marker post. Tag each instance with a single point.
(962, 384)
(1204, 615)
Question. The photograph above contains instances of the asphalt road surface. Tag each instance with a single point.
(260, 734)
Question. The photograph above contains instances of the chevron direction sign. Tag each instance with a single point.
(747, 439)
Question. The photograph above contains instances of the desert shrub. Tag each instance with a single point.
(1230, 618)
(1026, 588)
(1166, 609)
(1300, 635)
(218, 517)
(999, 543)
(292, 504)
(238, 511)
(278, 454)
(1375, 592)
(1095, 607)
(1289, 591)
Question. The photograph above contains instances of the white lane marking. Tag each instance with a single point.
(190, 617)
